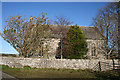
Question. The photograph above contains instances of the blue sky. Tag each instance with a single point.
(81, 13)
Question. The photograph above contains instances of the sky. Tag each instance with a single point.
(81, 13)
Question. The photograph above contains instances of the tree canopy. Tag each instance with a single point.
(26, 36)
(107, 22)
(75, 43)
(62, 23)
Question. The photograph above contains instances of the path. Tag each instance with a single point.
(8, 77)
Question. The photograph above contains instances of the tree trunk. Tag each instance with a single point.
(107, 41)
(41, 50)
(61, 50)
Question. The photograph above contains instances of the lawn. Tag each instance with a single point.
(28, 72)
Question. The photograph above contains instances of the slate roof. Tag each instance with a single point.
(92, 33)
(89, 32)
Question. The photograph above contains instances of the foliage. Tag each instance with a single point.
(107, 22)
(75, 43)
(26, 36)
(27, 67)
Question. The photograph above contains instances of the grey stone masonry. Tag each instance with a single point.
(56, 63)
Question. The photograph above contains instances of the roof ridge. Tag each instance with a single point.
(88, 26)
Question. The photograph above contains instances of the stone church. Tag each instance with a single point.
(95, 40)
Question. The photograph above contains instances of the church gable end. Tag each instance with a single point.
(95, 41)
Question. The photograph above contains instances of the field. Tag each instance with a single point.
(53, 73)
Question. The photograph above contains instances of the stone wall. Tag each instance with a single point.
(56, 63)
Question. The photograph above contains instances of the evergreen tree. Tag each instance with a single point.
(75, 43)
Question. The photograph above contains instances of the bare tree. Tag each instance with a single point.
(107, 23)
(26, 36)
(118, 11)
(62, 24)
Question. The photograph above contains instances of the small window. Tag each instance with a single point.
(93, 51)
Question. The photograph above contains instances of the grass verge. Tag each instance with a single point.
(28, 72)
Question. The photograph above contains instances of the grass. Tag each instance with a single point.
(28, 72)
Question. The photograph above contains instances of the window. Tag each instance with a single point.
(93, 51)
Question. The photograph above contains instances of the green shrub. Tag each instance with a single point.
(75, 44)
(54, 69)
(75, 57)
(27, 67)
(72, 71)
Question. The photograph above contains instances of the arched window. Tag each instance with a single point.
(93, 49)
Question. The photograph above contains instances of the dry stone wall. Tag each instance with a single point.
(54, 63)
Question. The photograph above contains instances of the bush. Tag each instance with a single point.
(76, 57)
(27, 67)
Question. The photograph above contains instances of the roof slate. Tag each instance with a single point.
(89, 32)
(92, 33)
